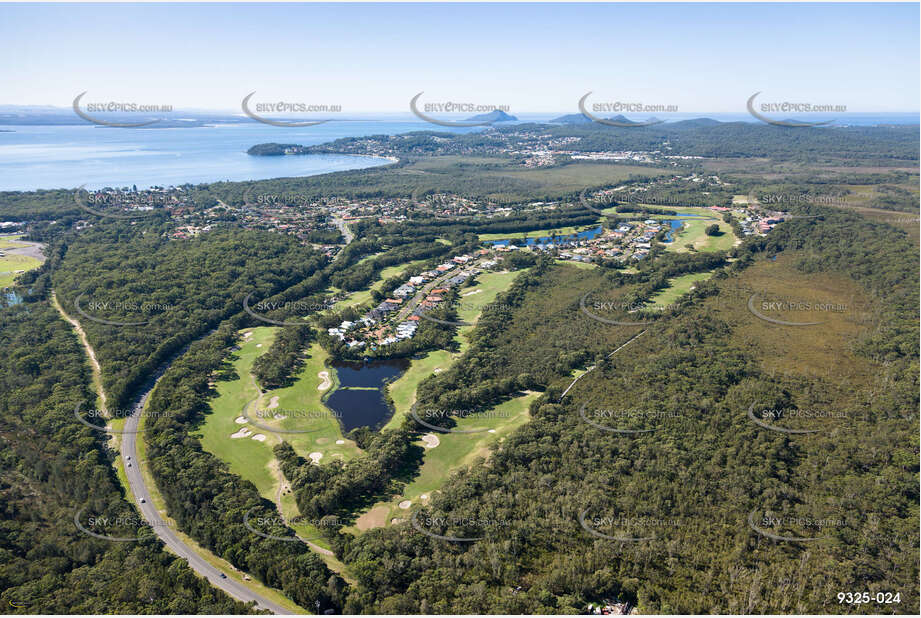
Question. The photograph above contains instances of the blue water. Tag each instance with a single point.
(55, 157)
(675, 225)
(543, 240)
(359, 400)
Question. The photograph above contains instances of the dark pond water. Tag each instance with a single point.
(359, 401)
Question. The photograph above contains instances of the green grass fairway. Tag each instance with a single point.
(8, 242)
(693, 233)
(677, 287)
(301, 404)
(584, 265)
(453, 451)
(560, 231)
(9, 264)
(246, 457)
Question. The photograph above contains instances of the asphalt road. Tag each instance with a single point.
(129, 449)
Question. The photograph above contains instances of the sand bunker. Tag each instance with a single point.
(430, 440)
(273, 403)
(240, 420)
(244, 431)
(315, 457)
(258, 345)
(473, 292)
(326, 382)
(424, 497)
(340, 441)
(259, 437)
(492, 431)
(405, 504)
(397, 520)
(247, 334)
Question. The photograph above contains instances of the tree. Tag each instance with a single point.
(712, 230)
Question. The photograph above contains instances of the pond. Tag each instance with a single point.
(359, 400)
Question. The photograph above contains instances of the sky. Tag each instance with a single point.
(531, 57)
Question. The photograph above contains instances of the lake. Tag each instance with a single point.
(359, 400)
(68, 156)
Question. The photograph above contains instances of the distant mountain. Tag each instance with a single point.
(696, 122)
(497, 115)
(572, 119)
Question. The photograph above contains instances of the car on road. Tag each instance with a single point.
(223, 576)
(143, 500)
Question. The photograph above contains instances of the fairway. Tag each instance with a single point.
(677, 287)
(453, 451)
(10, 264)
(300, 404)
(693, 233)
(560, 231)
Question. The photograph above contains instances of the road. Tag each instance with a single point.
(346, 232)
(142, 497)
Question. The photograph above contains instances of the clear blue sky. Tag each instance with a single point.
(532, 57)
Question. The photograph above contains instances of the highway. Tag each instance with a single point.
(129, 452)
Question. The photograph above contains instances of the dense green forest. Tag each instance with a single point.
(692, 482)
(680, 477)
(51, 468)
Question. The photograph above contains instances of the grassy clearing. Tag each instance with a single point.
(677, 287)
(9, 242)
(9, 264)
(560, 231)
(693, 233)
(582, 265)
